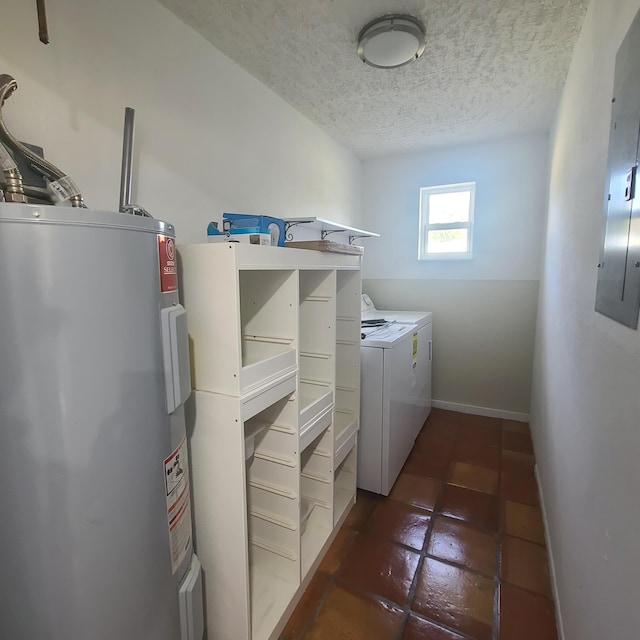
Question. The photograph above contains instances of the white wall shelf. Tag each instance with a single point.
(273, 422)
(313, 227)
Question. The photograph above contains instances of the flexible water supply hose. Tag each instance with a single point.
(13, 180)
(59, 182)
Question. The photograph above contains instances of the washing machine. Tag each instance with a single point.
(395, 395)
(368, 312)
(422, 356)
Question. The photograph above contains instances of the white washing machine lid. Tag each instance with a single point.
(386, 336)
(369, 312)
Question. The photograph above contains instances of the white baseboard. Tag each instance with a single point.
(552, 566)
(481, 411)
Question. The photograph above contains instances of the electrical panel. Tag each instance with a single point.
(618, 290)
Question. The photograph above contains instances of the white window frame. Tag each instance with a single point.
(425, 227)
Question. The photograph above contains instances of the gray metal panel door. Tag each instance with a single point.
(83, 429)
(618, 290)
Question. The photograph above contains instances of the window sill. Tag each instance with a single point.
(445, 256)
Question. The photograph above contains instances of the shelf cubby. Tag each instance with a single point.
(317, 366)
(316, 533)
(268, 325)
(272, 483)
(348, 294)
(307, 505)
(251, 431)
(348, 330)
(271, 590)
(345, 425)
(316, 470)
(315, 396)
(277, 535)
(264, 360)
(348, 365)
(310, 431)
(317, 488)
(345, 485)
(347, 379)
(343, 449)
(316, 485)
(266, 395)
(317, 324)
(347, 398)
(267, 299)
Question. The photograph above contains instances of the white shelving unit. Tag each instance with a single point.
(273, 423)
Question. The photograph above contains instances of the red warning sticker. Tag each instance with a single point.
(168, 268)
(176, 482)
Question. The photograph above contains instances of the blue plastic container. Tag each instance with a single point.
(249, 223)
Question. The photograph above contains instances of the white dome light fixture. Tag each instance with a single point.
(391, 41)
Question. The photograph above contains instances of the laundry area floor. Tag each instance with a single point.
(456, 551)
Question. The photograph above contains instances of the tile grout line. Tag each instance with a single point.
(500, 533)
(425, 555)
(503, 533)
(333, 581)
(496, 596)
(312, 618)
(416, 576)
(407, 610)
(427, 539)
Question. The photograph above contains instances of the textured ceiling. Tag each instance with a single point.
(491, 68)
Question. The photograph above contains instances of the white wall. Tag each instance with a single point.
(585, 402)
(484, 308)
(209, 137)
(511, 195)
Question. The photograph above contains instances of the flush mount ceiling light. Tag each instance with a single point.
(391, 41)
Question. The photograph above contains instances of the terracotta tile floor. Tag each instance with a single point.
(456, 552)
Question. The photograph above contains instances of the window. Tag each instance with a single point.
(446, 221)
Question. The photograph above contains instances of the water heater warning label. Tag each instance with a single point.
(176, 481)
(168, 266)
